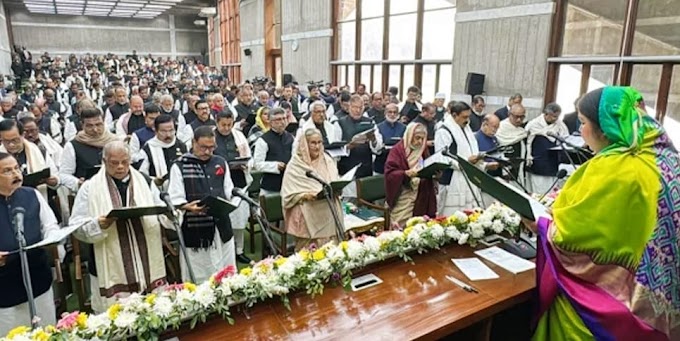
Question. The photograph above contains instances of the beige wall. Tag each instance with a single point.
(252, 37)
(307, 24)
(508, 42)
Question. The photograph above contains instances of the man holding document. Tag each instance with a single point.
(455, 137)
(127, 254)
(199, 180)
(39, 222)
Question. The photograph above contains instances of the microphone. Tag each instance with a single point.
(312, 175)
(18, 214)
(562, 140)
(560, 175)
(244, 197)
(166, 199)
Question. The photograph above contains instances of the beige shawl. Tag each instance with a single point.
(317, 215)
(130, 259)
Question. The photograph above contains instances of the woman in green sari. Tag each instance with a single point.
(608, 265)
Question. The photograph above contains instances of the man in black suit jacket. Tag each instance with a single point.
(571, 119)
(503, 112)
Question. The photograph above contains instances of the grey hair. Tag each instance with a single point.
(24, 114)
(309, 132)
(552, 109)
(164, 97)
(115, 146)
(275, 111)
(316, 104)
(262, 92)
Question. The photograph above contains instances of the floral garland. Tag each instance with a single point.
(147, 316)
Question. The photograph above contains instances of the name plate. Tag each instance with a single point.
(365, 281)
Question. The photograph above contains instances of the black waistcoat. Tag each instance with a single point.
(87, 157)
(361, 154)
(280, 148)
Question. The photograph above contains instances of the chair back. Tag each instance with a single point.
(271, 204)
(371, 188)
(254, 188)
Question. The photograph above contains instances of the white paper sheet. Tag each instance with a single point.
(349, 176)
(55, 237)
(505, 260)
(338, 152)
(474, 269)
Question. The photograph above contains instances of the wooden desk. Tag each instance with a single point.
(400, 308)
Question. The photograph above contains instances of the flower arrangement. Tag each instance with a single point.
(147, 316)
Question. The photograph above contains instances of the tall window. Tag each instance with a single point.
(230, 38)
(382, 43)
(617, 42)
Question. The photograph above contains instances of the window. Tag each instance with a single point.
(371, 39)
(657, 29)
(402, 37)
(593, 27)
(646, 80)
(347, 38)
(438, 30)
(672, 119)
(568, 88)
(402, 6)
(600, 75)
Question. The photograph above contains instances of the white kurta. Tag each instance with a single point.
(204, 262)
(19, 314)
(458, 195)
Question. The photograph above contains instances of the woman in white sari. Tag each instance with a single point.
(307, 217)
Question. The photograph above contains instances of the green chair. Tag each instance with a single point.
(271, 205)
(253, 193)
(371, 189)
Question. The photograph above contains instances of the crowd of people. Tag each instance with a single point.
(118, 132)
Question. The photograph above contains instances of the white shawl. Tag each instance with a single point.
(111, 269)
(156, 147)
(35, 162)
(538, 126)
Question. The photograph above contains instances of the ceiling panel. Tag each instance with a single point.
(143, 9)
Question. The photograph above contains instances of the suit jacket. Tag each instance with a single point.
(502, 113)
(571, 121)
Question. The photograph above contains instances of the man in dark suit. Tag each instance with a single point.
(571, 120)
(503, 112)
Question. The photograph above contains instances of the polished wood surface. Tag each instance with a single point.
(426, 306)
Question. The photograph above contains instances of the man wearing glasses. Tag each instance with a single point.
(511, 132)
(391, 131)
(273, 150)
(202, 119)
(210, 243)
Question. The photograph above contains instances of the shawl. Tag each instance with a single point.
(260, 122)
(130, 259)
(34, 161)
(508, 134)
(395, 173)
(538, 126)
(620, 273)
(98, 142)
(156, 147)
(317, 215)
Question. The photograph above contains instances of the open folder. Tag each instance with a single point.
(217, 207)
(340, 184)
(53, 238)
(433, 164)
(37, 178)
(518, 201)
(136, 212)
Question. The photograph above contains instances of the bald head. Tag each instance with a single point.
(136, 105)
(490, 124)
(517, 115)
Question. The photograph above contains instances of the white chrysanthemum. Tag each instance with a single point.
(476, 230)
(125, 319)
(97, 322)
(335, 254)
(324, 265)
(461, 217)
(287, 269)
(204, 295)
(22, 337)
(413, 238)
(184, 297)
(372, 245)
(162, 306)
(389, 236)
(354, 249)
(452, 232)
(497, 226)
(437, 231)
(279, 290)
(463, 238)
(295, 261)
(131, 302)
(225, 287)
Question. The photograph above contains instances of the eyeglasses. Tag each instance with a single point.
(15, 141)
(202, 108)
(11, 171)
(205, 148)
(518, 117)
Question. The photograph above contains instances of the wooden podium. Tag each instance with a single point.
(425, 306)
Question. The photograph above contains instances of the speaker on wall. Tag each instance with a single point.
(474, 84)
(247, 52)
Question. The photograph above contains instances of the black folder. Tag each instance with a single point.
(430, 171)
(238, 161)
(292, 127)
(519, 202)
(335, 145)
(37, 178)
(136, 212)
(217, 207)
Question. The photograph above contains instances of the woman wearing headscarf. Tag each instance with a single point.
(608, 265)
(306, 217)
(406, 194)
(261, 125)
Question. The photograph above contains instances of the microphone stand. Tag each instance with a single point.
(25, 270)
(564, 150)
(262, 220)
(183, 246)
(328, 194)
